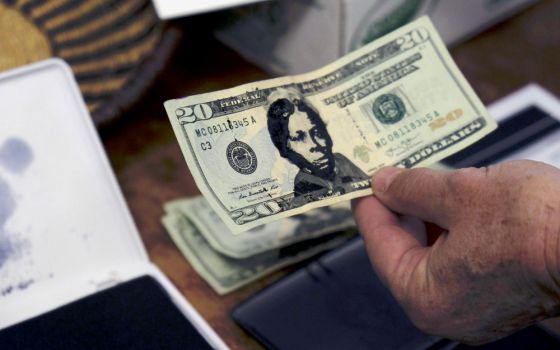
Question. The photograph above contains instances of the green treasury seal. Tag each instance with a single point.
(388, 109)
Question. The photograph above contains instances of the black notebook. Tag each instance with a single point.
(337, 302)
(137, 314)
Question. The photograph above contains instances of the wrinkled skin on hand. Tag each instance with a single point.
(495, 270)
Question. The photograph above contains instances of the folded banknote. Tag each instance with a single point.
(274, 235)
(226, 274)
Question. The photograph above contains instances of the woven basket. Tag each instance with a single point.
(115, 47)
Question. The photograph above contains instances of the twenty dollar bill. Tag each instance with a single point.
(276, 148)
(274, 235)
(226, 274)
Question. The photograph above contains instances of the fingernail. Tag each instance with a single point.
(383, 178)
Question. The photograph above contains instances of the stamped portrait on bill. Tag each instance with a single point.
(301, 136)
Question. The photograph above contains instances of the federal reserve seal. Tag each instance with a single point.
(241, 157)
(388, 109)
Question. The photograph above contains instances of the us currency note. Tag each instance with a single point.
(225, 274)
(276, 148)
(273, 235)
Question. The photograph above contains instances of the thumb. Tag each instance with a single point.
(423, 193)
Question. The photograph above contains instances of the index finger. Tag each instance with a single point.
(391, 248)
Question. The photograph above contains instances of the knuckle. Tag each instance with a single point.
(409, 180)
(463, 183)
(461, 178)
(401, 186)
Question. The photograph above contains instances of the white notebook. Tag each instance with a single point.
(65, 229)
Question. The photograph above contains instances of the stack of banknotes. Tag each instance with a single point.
(228, 261)
(265, 152)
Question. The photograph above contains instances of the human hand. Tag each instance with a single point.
(495, 270)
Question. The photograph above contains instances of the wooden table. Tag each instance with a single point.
(151, 170)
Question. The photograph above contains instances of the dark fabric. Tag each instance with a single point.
(133, 315)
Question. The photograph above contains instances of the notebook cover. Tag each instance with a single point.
(137, 314)
(336, 302)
